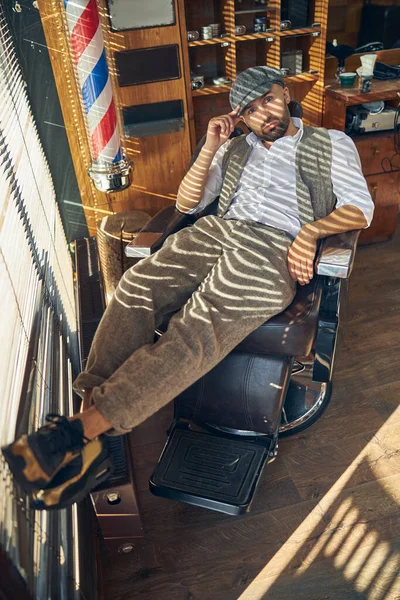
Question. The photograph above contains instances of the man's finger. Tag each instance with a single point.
(292, 271)
(299, 276)
(304, 272)
(310, 269)
(214, 123)
(229, 125)
(234, 115)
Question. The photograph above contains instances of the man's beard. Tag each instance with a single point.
(279, 129)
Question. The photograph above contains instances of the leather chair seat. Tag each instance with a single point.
(292, 332)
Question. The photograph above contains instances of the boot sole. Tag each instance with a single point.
(78, 487)
(17, 464)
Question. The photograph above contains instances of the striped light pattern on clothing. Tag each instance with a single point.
(94, 79)
(268, 193)
(224, 277)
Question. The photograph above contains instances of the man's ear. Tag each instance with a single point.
(241, 118)
(286, 94)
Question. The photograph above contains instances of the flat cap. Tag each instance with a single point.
(253, 83)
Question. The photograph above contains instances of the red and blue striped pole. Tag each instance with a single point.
(109, 169)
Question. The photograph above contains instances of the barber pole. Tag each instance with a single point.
(109, 170)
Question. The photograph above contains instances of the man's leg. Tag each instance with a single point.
(249, 284)
(156, 286)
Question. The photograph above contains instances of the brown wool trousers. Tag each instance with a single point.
(225, 277)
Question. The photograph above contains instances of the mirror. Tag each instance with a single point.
(136, 14)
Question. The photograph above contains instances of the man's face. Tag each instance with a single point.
(268, 116)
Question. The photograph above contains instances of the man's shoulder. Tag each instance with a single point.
(340, 138)
(335, 134)
(310, 130)
(327, 138)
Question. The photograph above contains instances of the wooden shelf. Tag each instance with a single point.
(240, 52)
(254, 10)
(302, 31)
(211, 42)
(302, 77)
(212, 89)
(222, 89)
(255, 36)
(236, 38)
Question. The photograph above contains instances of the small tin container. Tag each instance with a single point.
(206, 33)
(260, 24)
(240, 29)
(193, 36)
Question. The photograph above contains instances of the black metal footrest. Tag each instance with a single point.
(212, 471)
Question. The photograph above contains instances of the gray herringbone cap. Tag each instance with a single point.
(253, 83)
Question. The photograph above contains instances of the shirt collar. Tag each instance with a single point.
(253, 140)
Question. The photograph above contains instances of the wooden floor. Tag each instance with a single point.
(325, 522)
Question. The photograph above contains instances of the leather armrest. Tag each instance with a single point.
(152, 236)
(336, 254)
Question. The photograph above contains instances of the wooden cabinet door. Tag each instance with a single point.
(373, 150)
(384, 188)
(385, 192)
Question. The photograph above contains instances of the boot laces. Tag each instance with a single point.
(64, 436)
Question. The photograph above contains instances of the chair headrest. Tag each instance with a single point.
(295, 109)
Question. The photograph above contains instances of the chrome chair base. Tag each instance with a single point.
(305, 401)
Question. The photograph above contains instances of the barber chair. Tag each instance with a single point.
(276, 383)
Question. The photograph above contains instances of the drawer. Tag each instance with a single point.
(384, 188)
(385, 192)
(382, 227)
(373, 150)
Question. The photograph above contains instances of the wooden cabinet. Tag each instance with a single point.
(376, 151)
(233, 52)
(384, 188)
(385, 192)
(373, 150)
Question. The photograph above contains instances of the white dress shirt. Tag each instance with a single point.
(267, 189)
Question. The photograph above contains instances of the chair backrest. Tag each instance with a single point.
(295, 110)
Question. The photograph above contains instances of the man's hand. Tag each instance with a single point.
(301, 256)
(219, 129)
(192, 186)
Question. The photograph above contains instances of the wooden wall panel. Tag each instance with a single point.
(313, 101)
(389, 57)
(160, 161)
(344, 19)
(95, 204)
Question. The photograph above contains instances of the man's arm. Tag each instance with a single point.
(354, 207)
(302, 251)
(192, 186)
(191, 190)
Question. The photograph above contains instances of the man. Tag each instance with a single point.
(281, 189)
